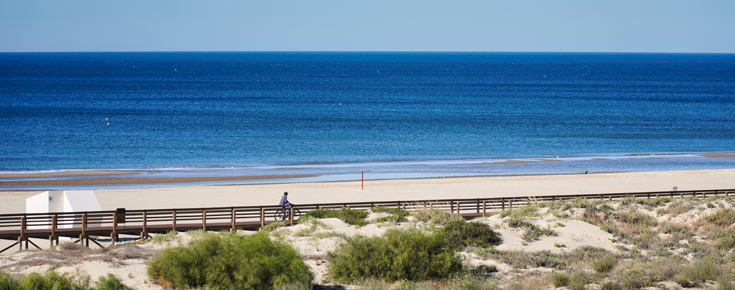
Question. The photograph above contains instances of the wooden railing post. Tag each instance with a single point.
(114, 227)
(22, 232)
(478, 206)
(174, 221)
(84, 229)
(502, 202)
(704, 194)
(204, 220)
(291, 216)
(458, 207)
(145, 225)
(484, 208)
(233, 215)
(262, 217)
(54, 221)
(510, 204)
(451, 207)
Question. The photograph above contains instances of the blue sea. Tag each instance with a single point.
(390, 115)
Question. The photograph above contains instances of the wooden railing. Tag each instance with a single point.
(82, 225)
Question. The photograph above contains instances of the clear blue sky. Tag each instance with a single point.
(368, 25)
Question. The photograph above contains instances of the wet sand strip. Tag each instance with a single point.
(510, 162)
(93, 181)
(65, 174)
(718, 155)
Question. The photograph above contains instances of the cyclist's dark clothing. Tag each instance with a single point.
(284, 201)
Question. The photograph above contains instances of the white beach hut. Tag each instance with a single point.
(62, 201)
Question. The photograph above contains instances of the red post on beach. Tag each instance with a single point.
(362, 173)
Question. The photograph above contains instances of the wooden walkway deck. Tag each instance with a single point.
(85, 226)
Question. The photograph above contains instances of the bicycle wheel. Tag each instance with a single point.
(280, 215)
(296, 215)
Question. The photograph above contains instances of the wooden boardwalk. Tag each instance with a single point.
(87, 226)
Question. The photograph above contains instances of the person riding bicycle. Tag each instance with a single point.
(285, 204)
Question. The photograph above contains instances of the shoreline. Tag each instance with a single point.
(182, 177)
(13, 201)
(155, 180)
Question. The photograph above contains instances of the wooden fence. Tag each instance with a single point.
(87, 226)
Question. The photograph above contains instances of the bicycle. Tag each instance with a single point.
(283, 214)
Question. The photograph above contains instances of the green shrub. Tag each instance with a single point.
(522, 259)
(522, 212)
(397, 214)
(230, 261)
(7, 282)
(722, 218)
(725, 283)
(354, 217)
(604, 264)
(110, 282)
(273, 226)
(444, 218)
(635, 279)
(533, 232)
(401, 254)
(471, 234)
(703, 269)
(470, 281)
(51, 281)
(675, 229)
(725, 243)
(165, 237)
(559, 279)
(637, 218)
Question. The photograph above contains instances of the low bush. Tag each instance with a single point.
(437, 217)
(522, 212)
(50, 280)
(165, 237)
(678, 207)
(231, 261)
(725, 283)
(635, 279)
(674, 229)
(522, 259)
(273, 226)
(559, 279)
(401, 254)
(721, 218)
(396, 214)
(355, 217)
(637, 218)
(533, 232)
(653, 202)
(604, 264)
(7, 282)
(110, 282)
(702, 269)
(471, 234)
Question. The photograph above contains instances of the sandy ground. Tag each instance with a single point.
(313, 240)
(399, 189)
(388, 190)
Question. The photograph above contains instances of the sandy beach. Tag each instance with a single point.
(129, 262)
(395, 189)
